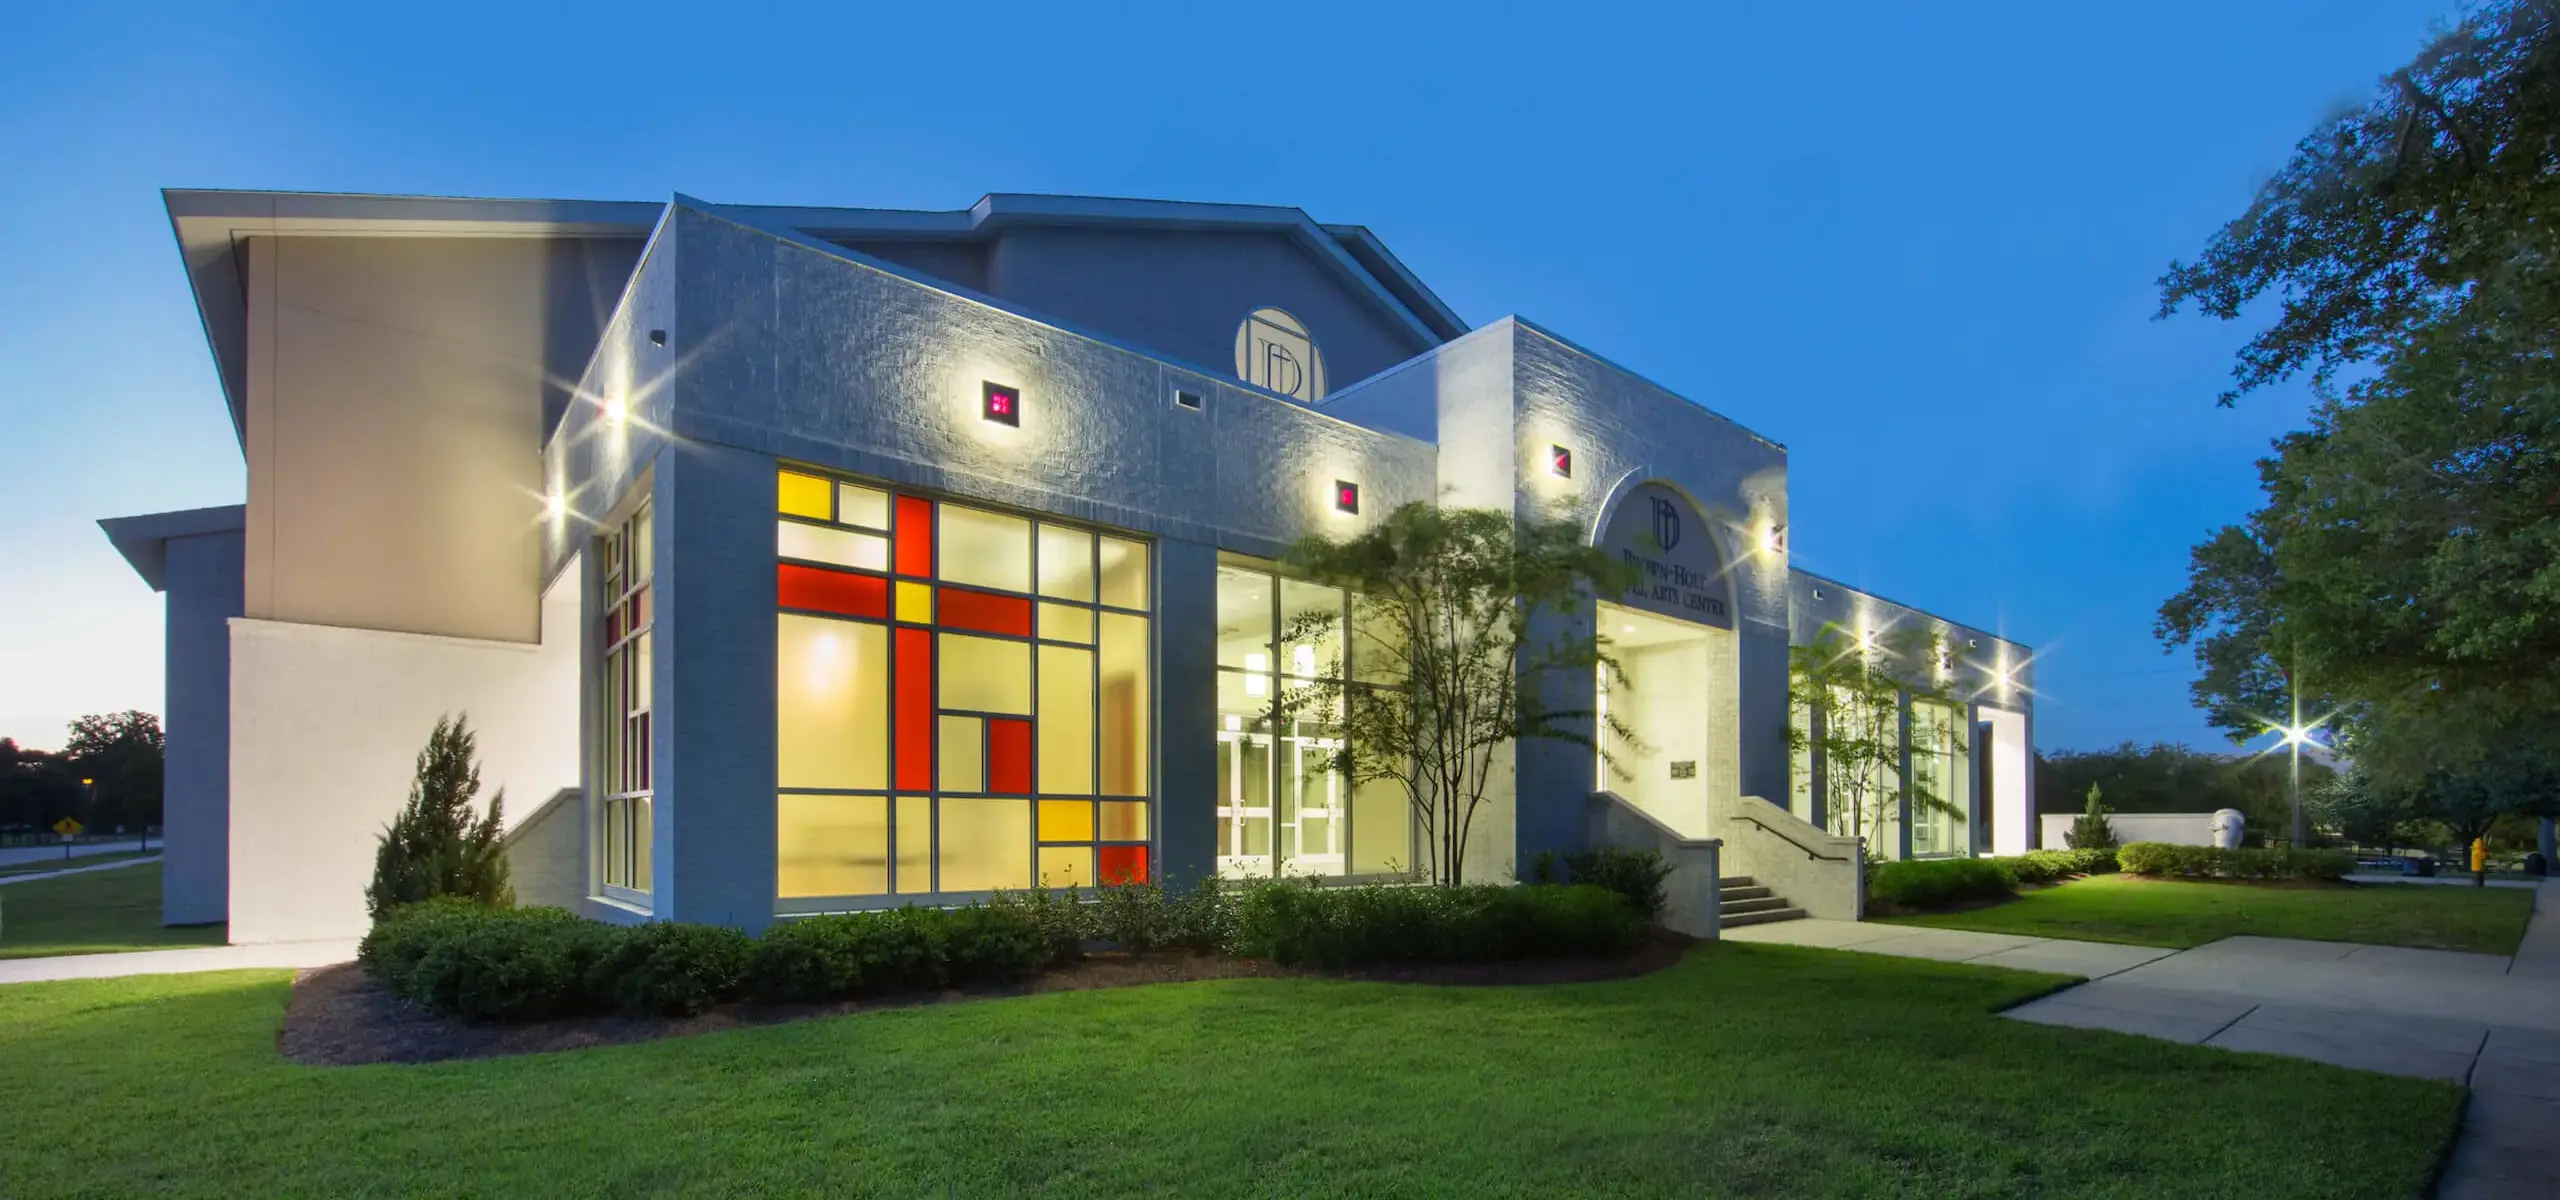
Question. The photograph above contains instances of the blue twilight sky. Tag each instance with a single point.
(1914, 242)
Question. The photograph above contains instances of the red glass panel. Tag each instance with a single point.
(985, 613)
(832, 591)
(1008, 755)
(914, 536)
(640, 608)
(613, 625)
(912, 718)
(1123, 864)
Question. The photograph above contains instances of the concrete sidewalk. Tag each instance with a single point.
(175, 962)
(2485, 1020)
(32, 876)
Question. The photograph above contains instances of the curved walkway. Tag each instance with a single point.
(2489, 1021)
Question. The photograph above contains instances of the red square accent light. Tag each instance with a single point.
(1346, 496)
(1002, 404)
(1560, 461)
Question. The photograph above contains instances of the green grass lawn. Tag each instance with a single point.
(73, 863)
(94, 913)
(2161, 912)
(1743, 1071)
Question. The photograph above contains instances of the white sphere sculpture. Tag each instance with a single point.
(2227, 826)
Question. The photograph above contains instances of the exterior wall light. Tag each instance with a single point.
(553, 505)
(1560, 461)
(1346, 496)
(1183, 398)
(616, 411)
(1001, 404)
(1774, 539)
(657, 337)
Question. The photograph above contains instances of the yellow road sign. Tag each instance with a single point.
(66, 827)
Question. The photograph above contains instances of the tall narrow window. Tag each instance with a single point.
(961, 705)
(623, 822)
(1281, 809)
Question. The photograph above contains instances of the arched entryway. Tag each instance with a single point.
(1675, 692)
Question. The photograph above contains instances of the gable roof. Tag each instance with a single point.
(210, 226)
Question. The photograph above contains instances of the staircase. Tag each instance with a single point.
(1743, 902)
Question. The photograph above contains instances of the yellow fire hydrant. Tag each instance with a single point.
(2479, 856)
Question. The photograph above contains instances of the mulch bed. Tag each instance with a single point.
(338, 1016)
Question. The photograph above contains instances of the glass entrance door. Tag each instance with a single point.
(1244, 803)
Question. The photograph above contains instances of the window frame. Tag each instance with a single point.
(627, 743)
(934, 628)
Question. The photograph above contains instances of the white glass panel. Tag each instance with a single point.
(859, 505)
(986, 844)
(1066, 721)
(1066, 563)
(985, 674)
(842, 547)
(1066, 623)
(831, 846)
(831, 703)
(1244, 618)
(984, 549)
(962, 748)
(1124, 573)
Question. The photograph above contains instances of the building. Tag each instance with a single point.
(791, 560)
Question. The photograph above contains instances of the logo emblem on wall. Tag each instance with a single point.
(1274, 350)
(1666, 523)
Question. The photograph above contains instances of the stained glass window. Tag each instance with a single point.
(962, 699)
(627, 737)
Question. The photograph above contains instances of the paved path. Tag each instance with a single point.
(2485, 1020)
(18, 856)
(32, 876)
(175, 962)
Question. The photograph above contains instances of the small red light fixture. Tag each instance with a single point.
(1346, 496)
(1001, 404)
(1560, 461)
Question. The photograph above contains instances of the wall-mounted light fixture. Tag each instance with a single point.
(1773, 540)
(1560, 461)
(657, 337)
(1183, 398)
(616, 411)
(553, 505)
(1817, 593)
(1000, 403)
(1346, 496)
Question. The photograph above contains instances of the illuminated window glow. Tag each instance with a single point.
(962, 699)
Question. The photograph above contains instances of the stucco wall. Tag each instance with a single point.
(203, 582)
(398, 389)
(326, 727)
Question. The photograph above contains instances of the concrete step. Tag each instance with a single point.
(1734, 908)
(1735, 881)
(1742, 893)
(1765, 917)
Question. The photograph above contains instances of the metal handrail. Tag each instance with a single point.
(1781, 834)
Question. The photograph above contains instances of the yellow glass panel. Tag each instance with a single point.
(915, 845)
(915, 602)
(859, 505)
(1066, 563)
(1066, 623)
(831, 703)
(1124, 820)
(831, 846)
(807, 496)
(1066, 820)
(1381, 829)
(1123, 704)
(986, 844)
(984, 549)
(1124, 573)
(1066, 721)
(842, 547)
(962, 748)
(982, 674)
(1066, 866)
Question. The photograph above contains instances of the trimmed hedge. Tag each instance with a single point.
(1635, 875)
(2213, 862)
(2046, 866)
(508, 965)
(1921, 883)
(1300, 924)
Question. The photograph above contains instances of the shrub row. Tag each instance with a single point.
(1635, 875)
(2046, 866)
(508, 965)
(2282, 862)
(1923, 882)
